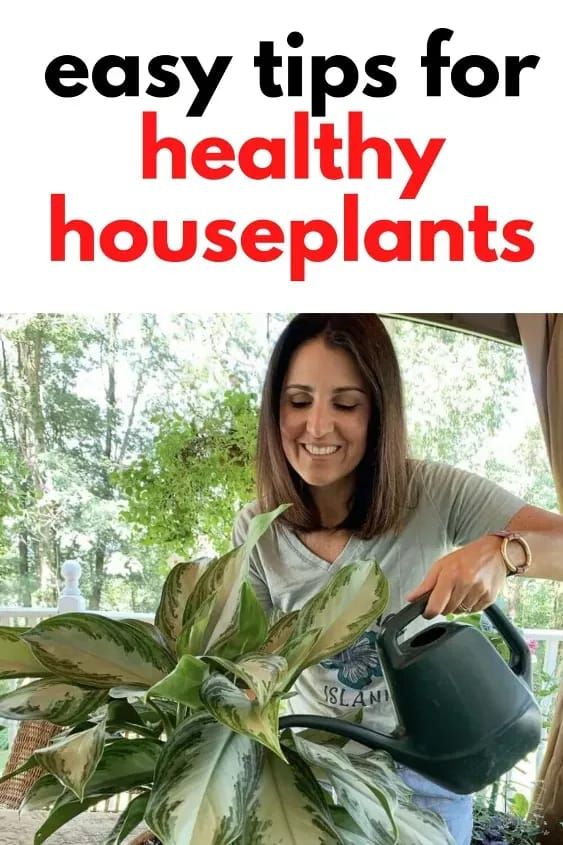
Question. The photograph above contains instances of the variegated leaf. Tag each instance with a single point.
(249, 628)
(414, 824)
(222, 580)
(125, 764)
(183, 683)
(51, 700)
(280, 632)
(131, 816)
(62, 812)
(233, 708)
(193, 639)
(260, 672)
(346, 827)
(73, 760)
(130, 693)
(204, 783)
(152, 631)
(296, 652)
(351, 601)
(16, 657)
(420, 827)
(370, 807)
(177, 589)
(97, 651)
(43, 793)
(326, 738)
(290, 808)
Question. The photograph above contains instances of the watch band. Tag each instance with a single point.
(512, 537)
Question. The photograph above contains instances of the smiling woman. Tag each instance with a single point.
(332, 441)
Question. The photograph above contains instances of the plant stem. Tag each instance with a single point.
(167, 723)
(494, 796)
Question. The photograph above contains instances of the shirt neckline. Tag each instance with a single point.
(311, 557)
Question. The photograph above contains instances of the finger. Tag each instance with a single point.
(439, 598)
(470, 601)
(484, 601)
(425, 586)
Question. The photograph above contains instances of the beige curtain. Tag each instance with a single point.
(542, 339)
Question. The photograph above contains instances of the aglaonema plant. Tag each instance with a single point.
(183, 715)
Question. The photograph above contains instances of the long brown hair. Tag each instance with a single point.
(380, 496)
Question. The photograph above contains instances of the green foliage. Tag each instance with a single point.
(92, 406)
(495, 828)
(198, 734)
(197, 473)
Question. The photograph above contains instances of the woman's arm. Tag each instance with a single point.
(474, 575)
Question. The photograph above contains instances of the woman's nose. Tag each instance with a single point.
(319, 421)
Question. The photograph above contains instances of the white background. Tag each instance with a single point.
(501, 152)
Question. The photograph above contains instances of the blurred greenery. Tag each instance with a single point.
(127, 442)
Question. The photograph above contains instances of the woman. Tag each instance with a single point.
(332, 441)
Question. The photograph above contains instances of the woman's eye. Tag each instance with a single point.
(299, 403)
(345, 407)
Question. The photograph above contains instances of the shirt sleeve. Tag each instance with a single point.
(469, 505)
(256, 574)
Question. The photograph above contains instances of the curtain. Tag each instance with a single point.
(542, 339)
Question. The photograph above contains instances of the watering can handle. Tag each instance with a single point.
(520, 659)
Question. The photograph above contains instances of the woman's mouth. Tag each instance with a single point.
(320, 451)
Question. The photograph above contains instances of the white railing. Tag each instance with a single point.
(71, 600)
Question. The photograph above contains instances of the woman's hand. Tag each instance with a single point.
(468, 579)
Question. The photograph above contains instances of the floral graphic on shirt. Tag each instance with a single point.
(357, 665)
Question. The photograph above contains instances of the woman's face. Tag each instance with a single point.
(324, 414)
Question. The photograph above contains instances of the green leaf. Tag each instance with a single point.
(152, 631)
(16, 657)
(280, 632)
(233, 708)
(44, 792)
(125, 764)
(221, 585)
(90, 649)
(51, 700)
(326, 738)
(296, 652)
(347, 829)
(204, 783)
(260, 672)
(520, 805)
(351, 601)
(73, 760)
(249, 628)
(370, 807)
(61, 813)
(192, 639)
(177, 589)
(129, 819)
(183, 683)
(290, 808)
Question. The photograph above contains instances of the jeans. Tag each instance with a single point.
(455, 810)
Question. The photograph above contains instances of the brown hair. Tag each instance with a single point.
(380, 496)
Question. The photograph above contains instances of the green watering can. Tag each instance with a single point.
(465, 716)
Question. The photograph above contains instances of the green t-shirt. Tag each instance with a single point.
(450, 508)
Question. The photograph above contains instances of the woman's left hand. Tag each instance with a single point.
(463, 581)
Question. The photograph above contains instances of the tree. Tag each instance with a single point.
(186, 489)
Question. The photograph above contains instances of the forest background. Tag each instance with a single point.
(127, 443)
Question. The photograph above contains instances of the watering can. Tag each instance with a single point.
(465, 716)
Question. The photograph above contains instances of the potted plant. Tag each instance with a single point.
(184, 715)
